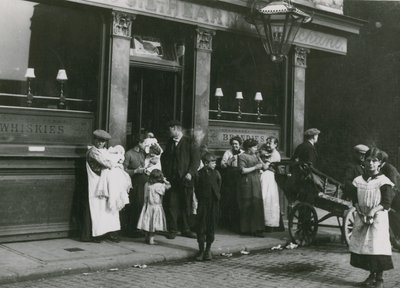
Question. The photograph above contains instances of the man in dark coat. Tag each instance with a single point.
(179, 162)
(306, 151)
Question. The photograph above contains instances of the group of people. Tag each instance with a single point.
(371, 184)
(163, 186)
(250, 195)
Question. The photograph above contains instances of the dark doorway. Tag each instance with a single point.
(154, 99)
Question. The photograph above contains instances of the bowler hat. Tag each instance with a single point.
(101, 134)
(361, 148)
(311, 132)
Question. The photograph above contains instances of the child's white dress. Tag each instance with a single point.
(114, 183)
(270, 194)
(152, 218)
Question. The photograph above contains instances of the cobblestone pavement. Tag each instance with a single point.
(317, 266)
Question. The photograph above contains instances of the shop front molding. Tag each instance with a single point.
(204, 39)
(122, 24)
(300, 56)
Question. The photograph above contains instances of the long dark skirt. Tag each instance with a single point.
(229, 207)
(251, 209)
(134, 208)
(373, 263)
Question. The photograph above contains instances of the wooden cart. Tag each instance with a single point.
(307, 189)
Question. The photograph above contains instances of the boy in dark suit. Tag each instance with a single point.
(207, 190)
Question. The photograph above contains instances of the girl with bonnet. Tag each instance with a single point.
(370, 241)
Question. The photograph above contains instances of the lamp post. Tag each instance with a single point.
(219, 95)
(239, 98)
(277, 24)
(258, 98)
(30, 74)
(62, 77)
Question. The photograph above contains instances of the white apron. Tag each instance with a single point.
(270, 195)
(370, 239)
(103, 219)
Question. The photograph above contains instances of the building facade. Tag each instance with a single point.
(130, 67)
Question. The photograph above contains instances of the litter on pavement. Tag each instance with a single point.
(292, 246)
(278, 247)
(226, 254)
(113, 269)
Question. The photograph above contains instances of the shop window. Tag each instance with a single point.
(48, 38)
(239, 64)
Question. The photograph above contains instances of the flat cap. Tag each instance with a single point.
(311, 132)
(101, 134)
(173, 123)
(361, 148)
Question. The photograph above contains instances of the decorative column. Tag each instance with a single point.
(119, 77)
(202, 71)
(299, 82)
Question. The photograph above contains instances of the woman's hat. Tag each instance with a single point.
(101, 134)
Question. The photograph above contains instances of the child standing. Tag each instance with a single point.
(152, 218)
(370, 242)
(269, 187)
(207, 190)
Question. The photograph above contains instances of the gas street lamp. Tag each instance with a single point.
(277, 24)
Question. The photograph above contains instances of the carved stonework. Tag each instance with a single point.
(204, 39)
(122, 23)
(300, 56)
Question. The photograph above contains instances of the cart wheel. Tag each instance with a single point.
(348, 223)
(303, 224)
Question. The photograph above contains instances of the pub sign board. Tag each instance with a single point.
(38, 129)
(220, 132)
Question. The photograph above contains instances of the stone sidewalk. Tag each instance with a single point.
(38, 259)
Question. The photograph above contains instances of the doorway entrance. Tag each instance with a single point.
(154, 99)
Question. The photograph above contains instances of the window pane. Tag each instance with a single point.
(48, 38)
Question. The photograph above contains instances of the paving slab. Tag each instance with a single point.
(40, 259)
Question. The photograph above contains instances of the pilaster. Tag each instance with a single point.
(299, 82)
(119, 75)
(202, 72)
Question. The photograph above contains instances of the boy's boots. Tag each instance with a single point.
(207, 253)
(200, 255)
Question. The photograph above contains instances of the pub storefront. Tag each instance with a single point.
(128, 66)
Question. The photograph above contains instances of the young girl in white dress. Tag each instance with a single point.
(269, 187)
(152, 218)
(114, 183)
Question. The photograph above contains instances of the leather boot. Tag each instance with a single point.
(200, 254)
(207, 253)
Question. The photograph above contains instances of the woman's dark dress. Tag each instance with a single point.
(251, 208)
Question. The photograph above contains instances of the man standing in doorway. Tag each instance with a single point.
(179, 161)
